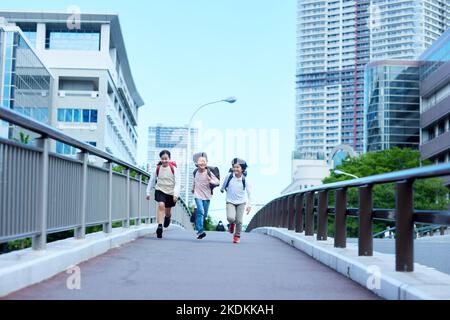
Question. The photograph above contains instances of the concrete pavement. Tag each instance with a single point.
(180, 267)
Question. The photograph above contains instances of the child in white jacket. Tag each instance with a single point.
(238, 197)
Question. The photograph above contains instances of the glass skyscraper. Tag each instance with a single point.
(25, 81)
(392, 106)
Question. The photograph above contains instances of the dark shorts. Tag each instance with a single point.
(166, 198)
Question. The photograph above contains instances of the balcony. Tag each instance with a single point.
(435, 146)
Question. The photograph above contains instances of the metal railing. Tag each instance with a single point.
(42, 192)
(296, 211)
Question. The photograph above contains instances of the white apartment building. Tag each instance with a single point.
(94, 95)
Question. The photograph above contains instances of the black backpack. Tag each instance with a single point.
(230, 176)
(216, 173)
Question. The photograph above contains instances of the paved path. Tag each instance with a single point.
(428, 251)
(180, 267)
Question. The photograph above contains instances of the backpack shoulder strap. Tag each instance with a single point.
(158, 167)
(230, 176)
(172, 167)
(195, 172)
(243, 181)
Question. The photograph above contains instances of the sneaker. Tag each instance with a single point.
(166, 221)
(201, 236)
(236, 239)
(159, 232)
(231, 227)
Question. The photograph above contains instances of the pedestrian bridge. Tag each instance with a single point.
(286, 253)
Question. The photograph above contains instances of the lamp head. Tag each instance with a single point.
(230, 99)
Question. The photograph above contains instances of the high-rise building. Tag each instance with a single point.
(173, 139)
(336, 39)
(94, 97)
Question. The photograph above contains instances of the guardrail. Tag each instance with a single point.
(42, 192)
(296, 211)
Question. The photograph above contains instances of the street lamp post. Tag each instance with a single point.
(340, 172)
(188, 147)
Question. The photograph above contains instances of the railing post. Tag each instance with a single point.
(291, 211)
(39, 241)
(309, 214)
(126, 223)
(139, 200)
(266, 215)
(285, 212)
(340, 222)
(107, 227)
(299, 213)
(322, 222)
(80, 232)
(404, 222)
(278, 214)
(272, 214)
(365, 238)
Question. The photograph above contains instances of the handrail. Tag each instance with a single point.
(297, 210)
(85, 195)
(50, 132)
(430, 171)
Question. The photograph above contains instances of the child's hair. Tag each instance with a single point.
(164, 152)
(240, 162)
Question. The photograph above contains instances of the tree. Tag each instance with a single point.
(429, 194)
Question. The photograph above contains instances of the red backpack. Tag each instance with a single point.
(172, 165)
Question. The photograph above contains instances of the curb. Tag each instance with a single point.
(20, 269)
(376, 273)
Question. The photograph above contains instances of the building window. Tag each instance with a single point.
(72, 40)
(65, 149)
(86, 114)
(78, 115)
(441, 127)
(431, 134)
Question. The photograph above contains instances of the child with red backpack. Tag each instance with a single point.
(166, 181)
(205, 180)
(238, 197)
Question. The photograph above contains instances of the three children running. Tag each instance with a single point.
(166, 182)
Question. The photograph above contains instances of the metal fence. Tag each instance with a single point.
(297, 211)
(42, 192)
